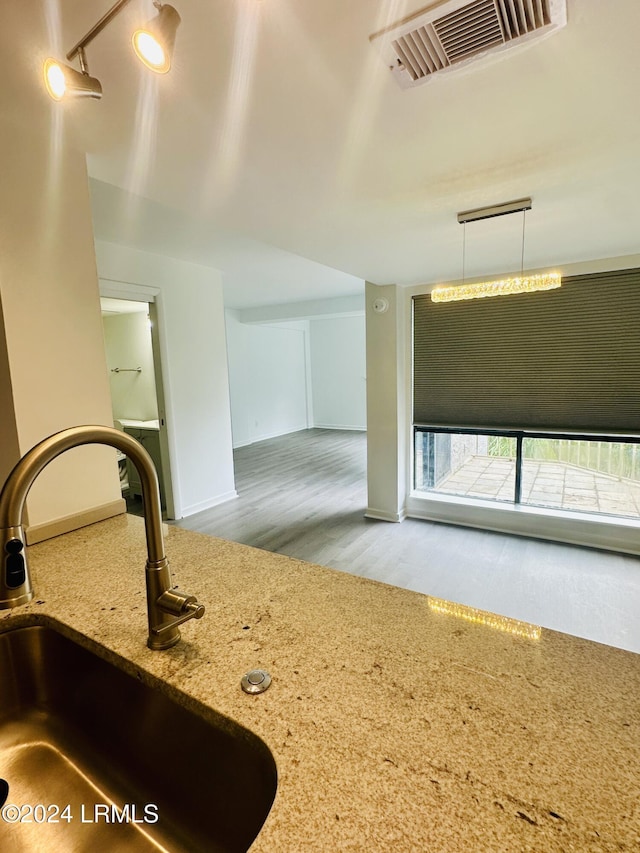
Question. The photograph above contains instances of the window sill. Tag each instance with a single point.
(613, 533)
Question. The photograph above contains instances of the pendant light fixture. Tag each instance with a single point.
(153, 45)
(503, 287)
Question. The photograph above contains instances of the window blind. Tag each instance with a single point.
(566, 359)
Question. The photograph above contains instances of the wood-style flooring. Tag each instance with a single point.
(304, 495)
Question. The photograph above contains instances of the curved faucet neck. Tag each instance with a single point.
(167, 607)
(20, 480)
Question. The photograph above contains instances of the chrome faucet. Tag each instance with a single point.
(167, 607)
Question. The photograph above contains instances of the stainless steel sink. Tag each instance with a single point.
(138, 771)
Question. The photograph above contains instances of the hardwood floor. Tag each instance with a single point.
(304, 495)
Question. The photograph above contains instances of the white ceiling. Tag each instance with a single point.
(280, 150)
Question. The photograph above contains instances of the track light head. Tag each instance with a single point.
(62, 81)
(154, 42)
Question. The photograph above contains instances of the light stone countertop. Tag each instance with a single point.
(393, 728)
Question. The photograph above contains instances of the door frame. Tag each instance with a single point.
(153, 297)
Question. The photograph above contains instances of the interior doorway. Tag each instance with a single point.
(137, 400)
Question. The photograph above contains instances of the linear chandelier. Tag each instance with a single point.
(503, 287)
(153, 45)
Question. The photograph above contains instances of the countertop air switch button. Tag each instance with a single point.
(255, 681)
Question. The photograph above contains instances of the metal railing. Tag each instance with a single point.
(613, 455)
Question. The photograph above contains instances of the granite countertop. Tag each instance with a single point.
(393, 727)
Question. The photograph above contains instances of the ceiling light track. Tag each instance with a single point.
(96, 29)
(153, 45)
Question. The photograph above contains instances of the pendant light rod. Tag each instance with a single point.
(505, 287)
(495, 210)
(97, 28)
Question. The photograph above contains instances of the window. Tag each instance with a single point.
(595, 474)
(531, 401)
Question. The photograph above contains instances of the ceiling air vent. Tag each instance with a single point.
(457, 32)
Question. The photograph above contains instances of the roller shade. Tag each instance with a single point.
(566, 359)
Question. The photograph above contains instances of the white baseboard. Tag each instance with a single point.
(48, 529)
(340, 426)
(383, 515)
(267, 436)
(208, 504)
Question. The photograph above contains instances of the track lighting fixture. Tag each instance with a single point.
(153, 45)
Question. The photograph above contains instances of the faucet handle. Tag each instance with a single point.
(174, 601)
(184, 606)
(195, 610)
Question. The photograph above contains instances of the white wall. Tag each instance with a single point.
(194, 365)
(267, 378)
(338, 372)
(289, 376)
(54, 373)
(127, 339)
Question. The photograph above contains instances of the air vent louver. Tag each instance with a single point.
(460, 31)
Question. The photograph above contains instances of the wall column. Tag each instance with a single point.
(386, 402)
(52, 361)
